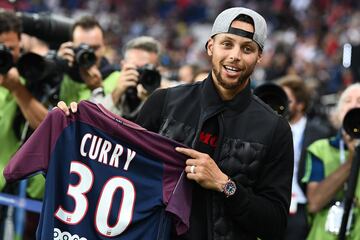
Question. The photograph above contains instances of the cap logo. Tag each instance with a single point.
(241, 32)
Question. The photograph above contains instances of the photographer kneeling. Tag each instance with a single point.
(138, 79)
(84, 62)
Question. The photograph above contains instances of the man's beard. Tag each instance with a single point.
(293, 114)
(290, 115)
(232, 85)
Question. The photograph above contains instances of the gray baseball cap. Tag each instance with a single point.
(223, 22)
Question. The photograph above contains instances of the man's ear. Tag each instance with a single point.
(210, 46)
(259, 57)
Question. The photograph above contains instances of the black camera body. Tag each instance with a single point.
(84, 56)
(38, 69)
(43, 75)
(149, 77)
(6, 59)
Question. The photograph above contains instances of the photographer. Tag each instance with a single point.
(328, 168)
(14, 96)
(84, 62)
(305, 131)
(139, 77)
(10, 81)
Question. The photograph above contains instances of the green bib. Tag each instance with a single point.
(330, 157)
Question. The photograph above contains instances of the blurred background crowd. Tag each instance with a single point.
(305, 37)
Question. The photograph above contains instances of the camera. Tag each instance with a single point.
(351, 123)
(43, 75)
(149, 77)
(6, 59)
(274, 96)
(53, 29)
(84, 56)
(36, 69)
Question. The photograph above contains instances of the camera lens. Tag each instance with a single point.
(85, 56)
(31, 66)
(351, 123)
(149, 77)
(274, 96)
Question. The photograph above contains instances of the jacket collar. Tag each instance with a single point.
(210, 98)
(335, 141)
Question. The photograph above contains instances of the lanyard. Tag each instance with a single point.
(342, 151)
(342, 159)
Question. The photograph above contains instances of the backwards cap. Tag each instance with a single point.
(223, 22)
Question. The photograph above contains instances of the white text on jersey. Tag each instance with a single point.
(100, 149)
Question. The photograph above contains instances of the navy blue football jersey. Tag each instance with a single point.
(106, 177)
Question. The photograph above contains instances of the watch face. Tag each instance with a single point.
(229, 188)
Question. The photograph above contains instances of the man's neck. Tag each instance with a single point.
(295, 119)
(229, 94)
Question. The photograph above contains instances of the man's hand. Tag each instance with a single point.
(66, 52)
(201, 168)
(11, 80)
(128, 78)
(141, 92)
(62, 105)
(351, 145)
(91, 76)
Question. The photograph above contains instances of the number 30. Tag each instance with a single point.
(78, 193)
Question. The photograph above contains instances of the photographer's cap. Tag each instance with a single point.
(223, 22)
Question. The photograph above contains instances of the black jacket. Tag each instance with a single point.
(254, 148)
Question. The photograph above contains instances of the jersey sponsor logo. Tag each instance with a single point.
(59, 235)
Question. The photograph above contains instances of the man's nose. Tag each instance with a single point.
(235, 54)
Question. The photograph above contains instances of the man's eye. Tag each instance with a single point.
(227, 44)
(248, 49)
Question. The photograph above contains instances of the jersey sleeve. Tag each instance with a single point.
(34, 155)
(180, 204)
